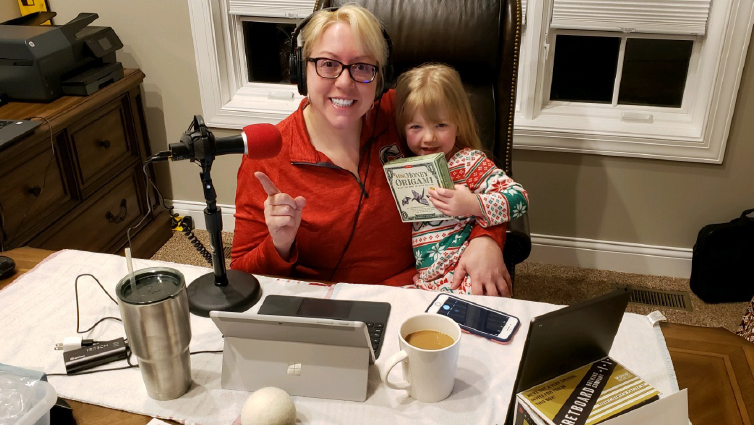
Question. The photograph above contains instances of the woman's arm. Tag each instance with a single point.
(254, 249)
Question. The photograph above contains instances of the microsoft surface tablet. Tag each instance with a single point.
(302, 355)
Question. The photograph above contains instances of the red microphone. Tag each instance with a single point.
(258, 141)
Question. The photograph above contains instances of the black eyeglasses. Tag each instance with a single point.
(331, 69)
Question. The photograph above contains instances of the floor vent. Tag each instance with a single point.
(677, 300)
(226, 249)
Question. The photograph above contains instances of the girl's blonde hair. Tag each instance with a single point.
(366, 28)
(429, 89)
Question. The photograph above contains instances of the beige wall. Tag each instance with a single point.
(585, 196)
(8, 10)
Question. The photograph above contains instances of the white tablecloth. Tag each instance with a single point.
(38, 310)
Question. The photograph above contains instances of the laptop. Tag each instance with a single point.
(374, 314)
(304, 356)
(11, 130)
(566, 339)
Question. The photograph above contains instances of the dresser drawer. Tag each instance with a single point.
(102, 145)
(33, 192)
(103, 219)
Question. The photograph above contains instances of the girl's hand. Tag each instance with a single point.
(282, 213)
(455, 203)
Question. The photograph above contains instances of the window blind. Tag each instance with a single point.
(649, 16)
(296, 9)
(523, 12)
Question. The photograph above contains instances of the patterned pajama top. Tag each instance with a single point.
(438, 245)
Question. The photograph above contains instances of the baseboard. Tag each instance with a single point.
(609, 255)
(566, 251)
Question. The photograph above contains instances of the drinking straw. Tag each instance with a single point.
(130, 265)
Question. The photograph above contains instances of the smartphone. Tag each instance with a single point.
(475, 318)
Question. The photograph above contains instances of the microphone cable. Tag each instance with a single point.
(148, 183)
(186, 229)
(189, 232)
(37, 195)
(79, 331)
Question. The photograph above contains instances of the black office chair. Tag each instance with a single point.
(480, 39)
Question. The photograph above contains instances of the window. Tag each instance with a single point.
(631, 78)
(267, 61)
(620, 70)
(640, 78)
(242, 49)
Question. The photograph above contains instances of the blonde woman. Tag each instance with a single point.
(323, 209)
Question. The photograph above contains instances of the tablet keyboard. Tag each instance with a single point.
(376, 335)
(373, 313)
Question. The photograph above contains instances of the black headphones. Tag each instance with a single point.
(297, 63)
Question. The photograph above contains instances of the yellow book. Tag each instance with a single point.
(589, 395)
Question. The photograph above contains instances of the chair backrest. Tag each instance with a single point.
(479, 38)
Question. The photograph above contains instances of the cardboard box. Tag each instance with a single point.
(603, 392)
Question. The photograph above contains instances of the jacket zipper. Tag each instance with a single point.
(335, 167)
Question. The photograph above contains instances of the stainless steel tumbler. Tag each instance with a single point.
(155, 312)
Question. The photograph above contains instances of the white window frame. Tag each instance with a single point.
(697, 132)
(228, 100)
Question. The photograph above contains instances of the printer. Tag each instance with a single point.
(40, 63)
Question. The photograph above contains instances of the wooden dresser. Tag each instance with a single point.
(88, 191)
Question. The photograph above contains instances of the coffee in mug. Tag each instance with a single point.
(429, 344)
(428, 339)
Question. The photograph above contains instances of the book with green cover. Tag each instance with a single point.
(589, 395)
(410, 180)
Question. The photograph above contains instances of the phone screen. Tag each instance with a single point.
(473, 316)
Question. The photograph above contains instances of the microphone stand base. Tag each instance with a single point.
(240, 294)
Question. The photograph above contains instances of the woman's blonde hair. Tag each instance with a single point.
(431, 89)
(366, 28)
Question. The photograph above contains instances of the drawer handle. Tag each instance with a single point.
(104, 143)
(123, 213)
(34, 191)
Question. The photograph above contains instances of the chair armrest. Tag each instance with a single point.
(517, 241)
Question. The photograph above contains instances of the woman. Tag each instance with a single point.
(324, 210)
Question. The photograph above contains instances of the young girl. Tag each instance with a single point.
(433, 114)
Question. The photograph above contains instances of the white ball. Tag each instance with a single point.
(268, 406)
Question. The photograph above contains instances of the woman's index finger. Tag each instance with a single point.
(267, 184)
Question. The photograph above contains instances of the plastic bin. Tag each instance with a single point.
(40, 413)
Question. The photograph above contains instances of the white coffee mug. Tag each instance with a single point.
(428, 375)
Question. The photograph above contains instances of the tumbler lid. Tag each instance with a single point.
(150, 285)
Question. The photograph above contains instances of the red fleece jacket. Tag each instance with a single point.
(374, 244)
